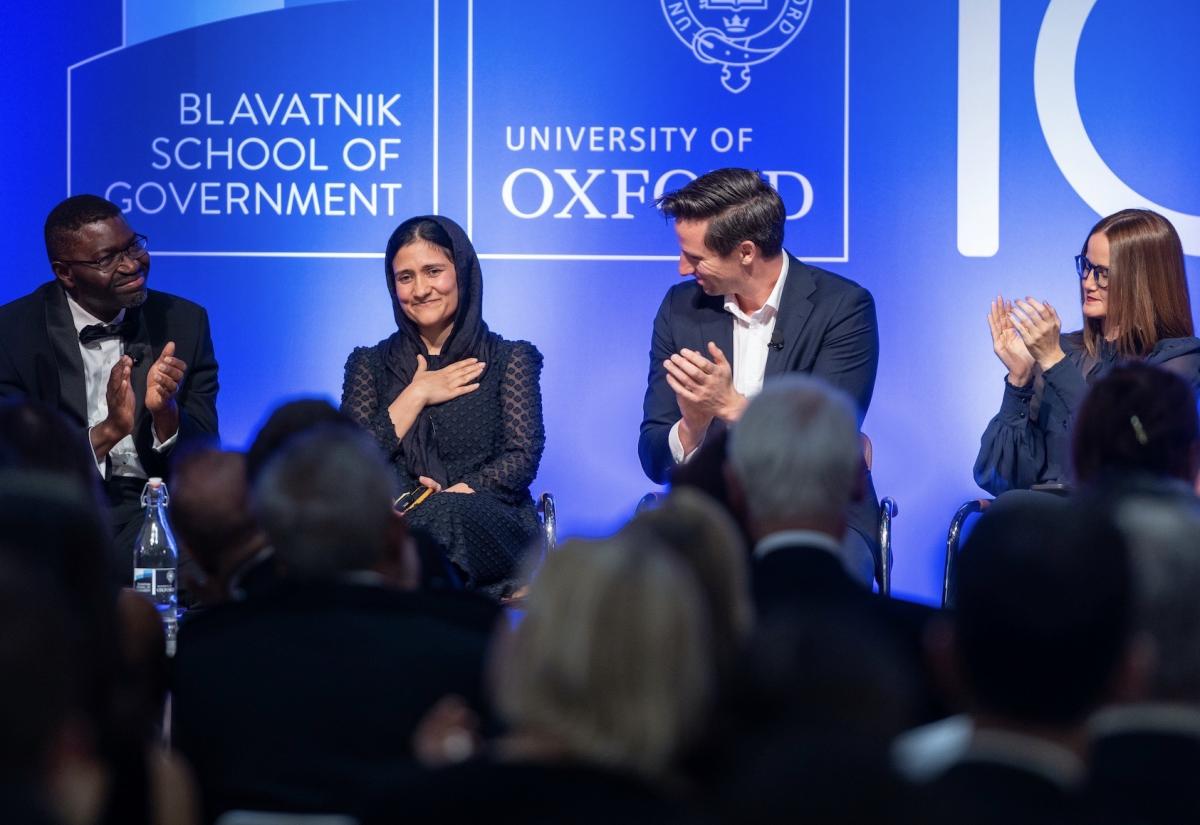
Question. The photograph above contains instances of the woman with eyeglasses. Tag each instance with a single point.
(1134, 295)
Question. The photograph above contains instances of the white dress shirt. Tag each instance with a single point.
(751, 334)
(99, 358)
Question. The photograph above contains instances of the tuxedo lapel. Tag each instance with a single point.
(141, 350)
(795, 307)
(64, 341)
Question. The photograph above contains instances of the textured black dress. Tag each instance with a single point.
(490, 439)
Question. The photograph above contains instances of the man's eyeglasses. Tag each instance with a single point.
(109, 263)
(1083, 267)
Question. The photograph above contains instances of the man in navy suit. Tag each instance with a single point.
(133, 368)
(750, 311)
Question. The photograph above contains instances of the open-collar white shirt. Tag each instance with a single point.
(751, 336)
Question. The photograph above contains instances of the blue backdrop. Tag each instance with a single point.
(936, 152)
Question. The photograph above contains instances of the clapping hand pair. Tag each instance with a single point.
(1025, 332)
(162, 385)
(704, 390)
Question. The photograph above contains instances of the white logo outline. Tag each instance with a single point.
(712, 45)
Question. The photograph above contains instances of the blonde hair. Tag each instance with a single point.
(612, 658)
(1147, 290)
(703, 535)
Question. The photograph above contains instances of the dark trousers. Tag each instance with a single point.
(125, 513)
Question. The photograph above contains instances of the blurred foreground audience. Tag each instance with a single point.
(605, 681)
(307, 699)
(705, 538)
(224, 555)
(1040, 638)
(108, 766)
(1137, 429)
(795, 466)
(35, 694)
(1145, 750)
(666, 674)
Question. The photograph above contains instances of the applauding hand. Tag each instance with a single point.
(1007, 343)
(1038, 325)
(162, 384)
(704, 390)
(439, 386)
(118, 395)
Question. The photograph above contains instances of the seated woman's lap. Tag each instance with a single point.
(482, 536)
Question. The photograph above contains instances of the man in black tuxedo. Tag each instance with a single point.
(751, 311)
(308, 698)
(133, 367)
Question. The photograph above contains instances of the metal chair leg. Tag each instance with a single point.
(888, 510)
(953, 537)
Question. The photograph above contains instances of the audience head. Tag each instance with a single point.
(703, 535)
(1164, 547)
(1137, 420)
(286, 421)
(50, 525)
(612, 659)
(795, 456)
(38, 667)
(1042, 621)
(35, 436)
(325, 501)
(1146, 298)
(738, 206)
(210, 512)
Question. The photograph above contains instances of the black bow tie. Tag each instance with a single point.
(98, 332)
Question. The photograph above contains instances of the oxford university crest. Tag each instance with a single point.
(736, 34)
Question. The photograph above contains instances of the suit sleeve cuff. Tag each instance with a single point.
(100, 462)
(163, 446)
(677, 453)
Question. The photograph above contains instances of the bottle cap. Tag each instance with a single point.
(155, 482)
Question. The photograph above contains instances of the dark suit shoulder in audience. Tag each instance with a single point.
(1007, 779)
(797, 575)
(1144, 763)
(308, 699)
(527, 793)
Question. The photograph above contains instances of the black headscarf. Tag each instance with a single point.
(469, 338)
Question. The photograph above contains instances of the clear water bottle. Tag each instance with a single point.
(156, 560)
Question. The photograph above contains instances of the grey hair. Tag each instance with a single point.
(325, 501)
(796, 450)
(1164, 542)
(613, 658)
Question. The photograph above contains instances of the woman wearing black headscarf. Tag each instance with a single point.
(457, 408)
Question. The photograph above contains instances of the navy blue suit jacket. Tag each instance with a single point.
(827, 325)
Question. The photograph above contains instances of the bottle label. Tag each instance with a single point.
(154, 582)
